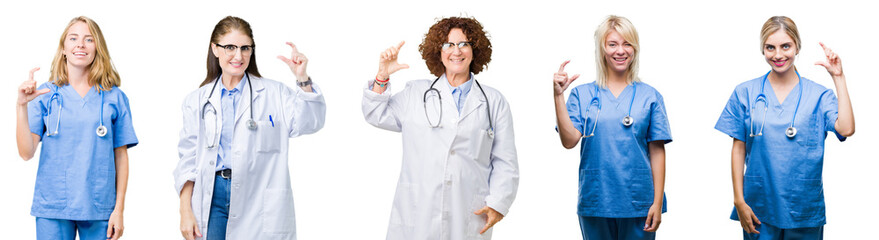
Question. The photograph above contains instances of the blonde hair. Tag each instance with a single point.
(102, 73)
(776, 23)
(628, 32)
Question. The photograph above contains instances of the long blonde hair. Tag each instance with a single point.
(102, 73)
(628, 32)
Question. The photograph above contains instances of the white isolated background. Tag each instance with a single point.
(344, 176)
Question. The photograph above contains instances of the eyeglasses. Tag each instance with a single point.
(447, 47)
(230, 49)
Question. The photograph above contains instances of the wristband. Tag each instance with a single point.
(304, 84)
(382, 83)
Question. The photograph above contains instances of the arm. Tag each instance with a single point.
(188, 225)
(379, 108)
(845, 123)
(304, 112)
(115, 225)
(657, 165)
(569, 135)
(26, 140)
(747, 218)
(504, 177)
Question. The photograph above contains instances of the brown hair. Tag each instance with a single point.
(228, 24)
(102, 73)
(438, 34)
(776, 23)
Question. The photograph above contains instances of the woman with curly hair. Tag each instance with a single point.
(460, 171)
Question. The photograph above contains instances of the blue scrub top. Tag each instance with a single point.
(616, 180)
(76, 178)
(782, 182)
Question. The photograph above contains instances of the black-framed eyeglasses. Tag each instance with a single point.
(230, 49)
(461, 45)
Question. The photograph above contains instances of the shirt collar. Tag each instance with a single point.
(238, 87)
(465, 87)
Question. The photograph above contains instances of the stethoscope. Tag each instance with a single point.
(627, 120)
(490, 129)
(101, 131)
(205, 110)
(791, 131)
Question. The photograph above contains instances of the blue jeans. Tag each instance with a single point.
(769, 232)
(599, 228)
(62, 229)
(219, 209)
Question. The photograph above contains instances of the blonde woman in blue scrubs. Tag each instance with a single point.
(84, 123)
(778, 123)
(623, 128)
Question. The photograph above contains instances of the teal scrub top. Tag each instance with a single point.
(76, 177)
(782, 181)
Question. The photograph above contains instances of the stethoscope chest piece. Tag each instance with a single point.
(251, 124)
(790, 132)
(491, 133)
(101, 131)
(628, 120)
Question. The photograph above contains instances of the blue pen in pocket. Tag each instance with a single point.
(270, 120)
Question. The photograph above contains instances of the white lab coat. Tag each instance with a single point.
(261, 203)
(451, 171)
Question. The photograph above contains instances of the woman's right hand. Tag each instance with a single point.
(387, 63)
(561, 81)
(747, 218)
(28, 89)
(188, 226)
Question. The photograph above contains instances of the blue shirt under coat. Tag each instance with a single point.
(229, 102)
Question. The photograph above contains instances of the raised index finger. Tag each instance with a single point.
(31, 73)
(826, 49)
(562, 68)
(293, 46)
(400, 45)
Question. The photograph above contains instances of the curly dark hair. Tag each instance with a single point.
(438, 34)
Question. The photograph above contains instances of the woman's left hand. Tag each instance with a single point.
(833, 64)
(493, 217)
(297, 63)
(114, 226)
(654, 217)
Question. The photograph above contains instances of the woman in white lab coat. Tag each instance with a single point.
(460, 171)
(233, 176)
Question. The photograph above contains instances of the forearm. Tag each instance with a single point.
(738, 171)
(567, 133)
(845, 123)
(23, 137)
(379, 88)
(657, 165)
(186, 198)
(121, 177)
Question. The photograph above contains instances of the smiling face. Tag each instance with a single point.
(618, 53)
(457, 60)
(780, 51)
(235, 64)
(79, 46)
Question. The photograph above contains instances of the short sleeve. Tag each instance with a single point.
(123, 130)
(573, 106)
(829, 107)
(35, 112)
(732, 118)
(659, 129)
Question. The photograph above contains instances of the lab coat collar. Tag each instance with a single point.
(474, 100)
(245, 102)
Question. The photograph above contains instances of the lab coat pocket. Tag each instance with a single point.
(475, 223)
(805, 199)
(103, 188)
(590, 189)
(405, 205)
(268, 137)
(641, 189)
(278, 215)
(51, 189)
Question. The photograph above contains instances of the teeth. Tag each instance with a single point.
(79, 53)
